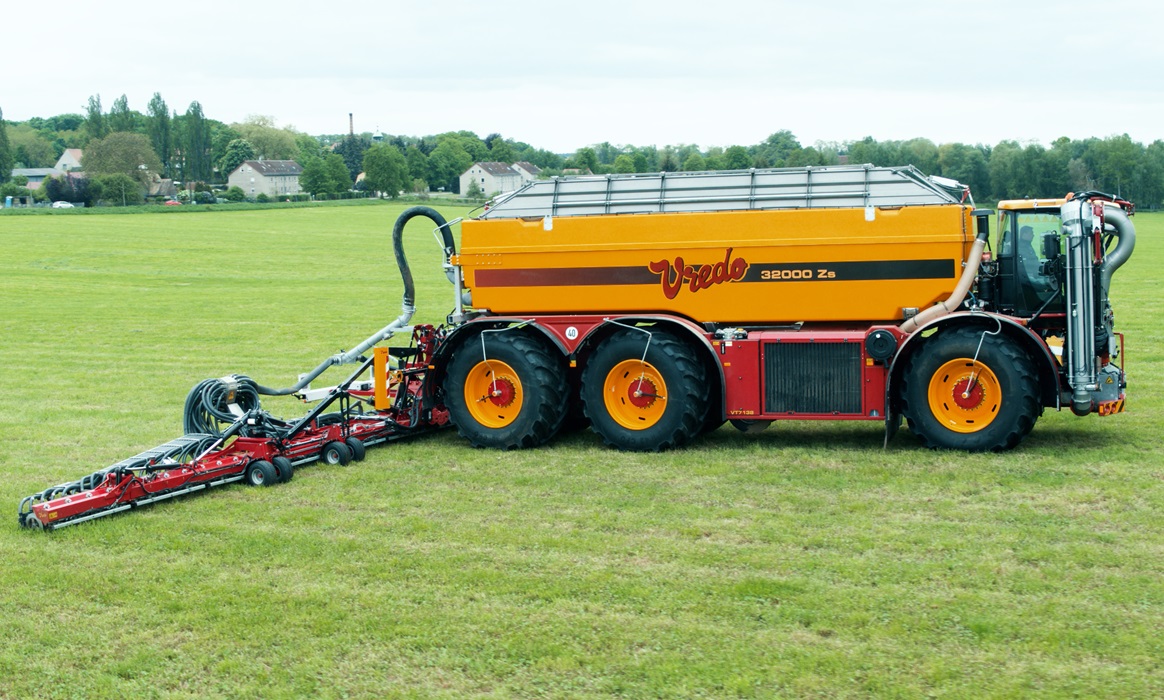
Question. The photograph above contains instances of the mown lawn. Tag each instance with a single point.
(804, 561)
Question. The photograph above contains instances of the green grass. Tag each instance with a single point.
(802, 562)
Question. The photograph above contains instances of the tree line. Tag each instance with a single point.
(192, 147)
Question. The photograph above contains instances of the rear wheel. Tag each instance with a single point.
(645, 403)
(954, 401)
(356, 445)
(284, 469)
(512, 393)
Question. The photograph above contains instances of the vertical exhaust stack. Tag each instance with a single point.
(1080, 223)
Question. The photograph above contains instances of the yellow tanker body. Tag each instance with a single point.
(655, 307)
(748, 267)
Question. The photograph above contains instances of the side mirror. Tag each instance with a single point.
(1051, 248)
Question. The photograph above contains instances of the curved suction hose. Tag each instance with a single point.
(1126, 232)
(950, 305)
(409, 304)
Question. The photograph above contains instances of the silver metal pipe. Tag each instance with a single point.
(1078, 228)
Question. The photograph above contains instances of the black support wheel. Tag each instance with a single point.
(959, 396)
(356, 445)
(284, 469)
(751, 427)
(510, 394)
(645, 404)
(261, 473)
(335, 452)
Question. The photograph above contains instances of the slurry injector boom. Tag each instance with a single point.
(229, 437)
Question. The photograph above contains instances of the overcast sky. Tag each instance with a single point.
(561, 75)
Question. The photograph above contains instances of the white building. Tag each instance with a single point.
(70, 160)
(270, 177)
(528, 171)
(493, 177)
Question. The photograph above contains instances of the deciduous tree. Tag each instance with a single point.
(417, 163)
(624, 164)
(121, 153)
(446, 164)
(269, 141)
(119, 189)
(29, 148)
(338, 171)
(386, 170)
(237, 151)
(325, 176)
(501, 150)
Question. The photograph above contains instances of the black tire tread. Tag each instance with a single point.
(284, 468)
(545, 369)
(915, 409)
(693, 396)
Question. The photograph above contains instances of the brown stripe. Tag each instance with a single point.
(565, 276)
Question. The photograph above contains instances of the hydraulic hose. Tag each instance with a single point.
(408, 306)
(208, 403)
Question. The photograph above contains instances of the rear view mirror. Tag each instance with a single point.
(1050, 245)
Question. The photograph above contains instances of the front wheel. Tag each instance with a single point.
(960, 396)
(506, 391)
(645, 396)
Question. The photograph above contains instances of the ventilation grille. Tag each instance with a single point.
(812, 377)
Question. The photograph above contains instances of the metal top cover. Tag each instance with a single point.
(727, 190)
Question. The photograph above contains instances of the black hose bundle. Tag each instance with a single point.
(208, 404)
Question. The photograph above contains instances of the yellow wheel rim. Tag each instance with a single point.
(493, 394)
(635, 394)
(964, 395)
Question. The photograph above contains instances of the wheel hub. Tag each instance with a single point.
(966, 396)
(502, 392)
(642, 393)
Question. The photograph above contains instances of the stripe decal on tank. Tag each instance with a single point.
(865, 270)
(564, 276)
(757, 272)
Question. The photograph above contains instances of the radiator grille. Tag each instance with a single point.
(812, 377)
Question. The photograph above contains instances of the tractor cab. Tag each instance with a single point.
(1028, 251)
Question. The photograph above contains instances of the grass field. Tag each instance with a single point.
(801, 562)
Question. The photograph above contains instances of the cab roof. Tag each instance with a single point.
(1019, 204)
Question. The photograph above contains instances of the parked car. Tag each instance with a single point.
(62, 205)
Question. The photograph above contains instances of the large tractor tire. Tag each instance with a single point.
(645, 404)
(512, 395)
(953, 402)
